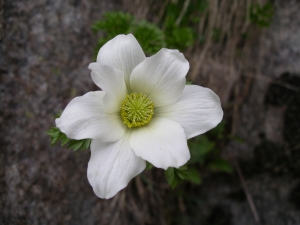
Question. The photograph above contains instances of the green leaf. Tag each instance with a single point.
(56, 135)
(79, 144)
(75, 144)
(148, 166)
(199, 147)
(64, 140)
(114, 23)
(54, 140)
(194, 175)
(149, 36)
(188, 82)
(175, 176)
(221, 165)
(86, 144)
(179, 37)
(58, 114)
(182, 172)
(170, 176)
(53, 131)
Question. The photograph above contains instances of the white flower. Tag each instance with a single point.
(144, 112)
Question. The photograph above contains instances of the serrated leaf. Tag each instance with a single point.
(54, 140)
(53, 131)
(64, 140)
(56, 135)
(114, 23)
(75, 144)
(175, 176)
(149, 36)
(86, 144)
(221, 165)
(178, 37)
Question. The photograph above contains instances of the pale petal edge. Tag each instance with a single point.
(197, 110)
(112, 166)
(162, 143)
(161, 77)
(84, 117)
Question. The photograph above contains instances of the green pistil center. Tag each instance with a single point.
(137, 110)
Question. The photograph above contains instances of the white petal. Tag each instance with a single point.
(111, 81)
(162, 142)
(161, 77)
(123, 53)
(112, 166)
(84, 117)
(197, 110)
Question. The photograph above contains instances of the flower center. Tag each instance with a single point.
(137, 110)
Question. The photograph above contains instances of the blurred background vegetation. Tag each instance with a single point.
(245, 171)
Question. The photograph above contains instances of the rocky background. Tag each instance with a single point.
(45, 48)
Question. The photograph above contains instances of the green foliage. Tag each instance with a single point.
(199, 148)
(148, 166)
(150, 37)
(261, 15)
(58, 115)
(56, 135)
(179, 37)
(175, 176)
(194, 175)
(114, 23)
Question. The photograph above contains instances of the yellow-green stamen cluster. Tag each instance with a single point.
(137, 110)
